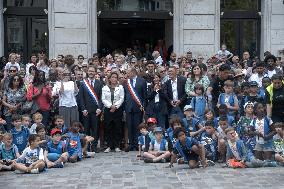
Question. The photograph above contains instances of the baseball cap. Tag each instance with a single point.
(187, 107)
(151, 120)
(55, 131)
(253, 83)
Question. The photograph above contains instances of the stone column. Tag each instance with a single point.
(201, 27)
(178, 26)
(1, 29)
(272, 27)
(71, 28)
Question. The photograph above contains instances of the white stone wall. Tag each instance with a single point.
(197, 26)
(71, 27)
(277, 27)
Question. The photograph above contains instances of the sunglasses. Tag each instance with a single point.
(12, 70)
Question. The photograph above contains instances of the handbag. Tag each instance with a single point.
(30, 106)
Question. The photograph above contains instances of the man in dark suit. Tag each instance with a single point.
(175, 92)
(134, 110)
(91, 107)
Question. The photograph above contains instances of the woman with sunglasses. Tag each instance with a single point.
(66, 90)
(13, 98)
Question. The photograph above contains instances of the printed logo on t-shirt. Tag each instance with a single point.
(73, 143)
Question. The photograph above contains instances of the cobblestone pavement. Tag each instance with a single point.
(122, 170)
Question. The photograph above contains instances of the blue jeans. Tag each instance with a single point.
(8, 125)
(53, 156)
(45, 118)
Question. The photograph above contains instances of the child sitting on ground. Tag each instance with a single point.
(57, 152)
(158, 151)
(151, 125)
(59, 124)
(20, 133)
(74, 146)
(8, 152)
(260, 127)
(222, 137)
(143, 140)
(278, 142)
(223, 112)
(175, 122)
(190, 123)
(37, 118)
(209, 140)
(243, 127)
(189, 148)
(32, 159)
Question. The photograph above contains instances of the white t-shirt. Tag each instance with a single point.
(223, 54)
(157, 146)
(68, 97)
(31, 156)
(255, 77)
(9, 64)
(33, 128)
(259, 127)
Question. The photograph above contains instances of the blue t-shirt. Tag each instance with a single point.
(74, 144)
(20, 138)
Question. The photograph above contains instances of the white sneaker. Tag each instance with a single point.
(91, 154)
(35, 171)
(107, 150)
(117, 150)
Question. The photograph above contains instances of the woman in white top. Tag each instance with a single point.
(67, 91)
(112, 98)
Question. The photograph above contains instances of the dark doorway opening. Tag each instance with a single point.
(120, 34)
(25, 28)
(240, 26)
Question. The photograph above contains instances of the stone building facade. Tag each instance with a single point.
(73, 27)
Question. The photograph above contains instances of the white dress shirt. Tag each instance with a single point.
(68, 97)
(174, 89)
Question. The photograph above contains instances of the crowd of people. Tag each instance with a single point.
(227, 109)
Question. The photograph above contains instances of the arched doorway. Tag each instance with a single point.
(133, 23)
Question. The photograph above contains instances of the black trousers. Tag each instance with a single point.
(113, 133)
(133, 119)
(91, 126)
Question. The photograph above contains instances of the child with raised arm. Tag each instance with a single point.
(189, 148)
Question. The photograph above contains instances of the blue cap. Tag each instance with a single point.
(253, 83)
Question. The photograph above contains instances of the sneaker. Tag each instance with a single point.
(210, 163)
(147, 160)
(90, 154)
(268, 163)
(163, 160)
(19, 172)
(117, 150)
(107, 150)
(35, 171)
(58, 165)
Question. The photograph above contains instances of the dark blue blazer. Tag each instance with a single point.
(141, 89)
(180, 89)
(86, 101)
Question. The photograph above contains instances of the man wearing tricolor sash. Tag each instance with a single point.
(135, 101)
(90, 101)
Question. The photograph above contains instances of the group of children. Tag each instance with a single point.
(254, 141)
(29, 149)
